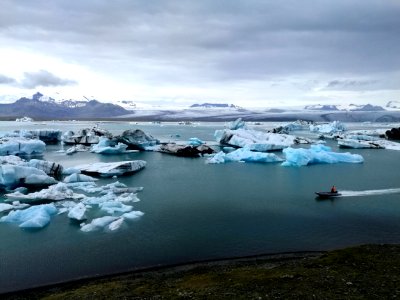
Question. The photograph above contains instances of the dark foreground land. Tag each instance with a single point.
(364, 272)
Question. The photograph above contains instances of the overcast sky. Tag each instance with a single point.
(262, 53)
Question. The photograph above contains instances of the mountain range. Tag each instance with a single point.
(41, 107)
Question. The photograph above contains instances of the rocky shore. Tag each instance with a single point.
(363, 272)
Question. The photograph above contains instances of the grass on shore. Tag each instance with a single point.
(364, 272)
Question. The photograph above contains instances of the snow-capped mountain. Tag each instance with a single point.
(341, 107)
(43, 107)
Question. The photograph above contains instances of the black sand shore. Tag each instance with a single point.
(363, 272)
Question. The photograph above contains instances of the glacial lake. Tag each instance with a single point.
(197, 211)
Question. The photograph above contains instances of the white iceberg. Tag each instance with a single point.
(254, 139)
(37, 216)
(77, 148)
(114, 168)
(244, 155)
(237, 124)
(98, 223)
(78, 212)
(318, 154)
(21, 146)
(57, 192)
(112, 207)
(330, 128)
(133, 215)
(116, 224)
(12, 160)
(76, 177)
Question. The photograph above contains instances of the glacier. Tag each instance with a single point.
(317, 154)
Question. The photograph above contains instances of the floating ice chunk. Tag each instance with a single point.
(238, 123)
(98, 223)
(116, 224)
(78, 212)
(105, 146)
(358, 144)
(6, 207)
(318, 154)
(137, 140)
(70, 171)
(77, 148)
(111, 169)
(57, 192)
(49, 136)
(78, 178)
(112, 207)
(195, 142)
(19, 146)
(133, 214)
(13, 176)
(263, 141)
(37, 216)
(228, 149)
(50, 168)
(330, 128)
(85, 136)
(12, 160)
(244, 155)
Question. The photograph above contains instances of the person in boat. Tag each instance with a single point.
(333, 189)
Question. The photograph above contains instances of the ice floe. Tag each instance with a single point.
(106, 146)
(78, 212)
(37, 216)
(21, 146)
(114, 168)
(57, 192)
(76, 177)
(330, 128)
(12, 176)
(244, 155)
(318, 154)
(254, 139)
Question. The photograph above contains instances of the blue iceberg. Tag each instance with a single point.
(317, 154)
(244, 155)
(37, 216)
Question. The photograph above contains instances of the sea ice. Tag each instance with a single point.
(318, 154)
(244, 154)
(37, 216)
(21, 146)
(113, 168)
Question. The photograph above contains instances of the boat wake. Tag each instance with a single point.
(369, 192)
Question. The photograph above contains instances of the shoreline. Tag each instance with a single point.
(354, 269)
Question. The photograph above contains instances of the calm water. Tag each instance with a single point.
(195, 211)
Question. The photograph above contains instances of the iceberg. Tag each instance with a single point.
(76, 177)
(133, 215)
(116, 224)
(98, 223)
(112, 169)
(195, 142)
(244, 155)
(77, 148)
(330, 128)
(358, 144)
(237, 124)
(106, 146)
(21, 146)
(49, 136)
(50, 168)
(137, 140)
(12, 160)
(57, 192)
(112, 207)
(12, 176)
(37, 216)
(85, 136)
(254, 139)
(318, 154)
(77, 212)
(185, 150)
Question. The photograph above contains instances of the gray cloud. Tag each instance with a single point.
(43, 78)
(200, 41)
(6, 80)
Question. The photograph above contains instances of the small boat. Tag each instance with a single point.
(327, 195)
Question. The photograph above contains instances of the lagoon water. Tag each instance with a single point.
(197, 211)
